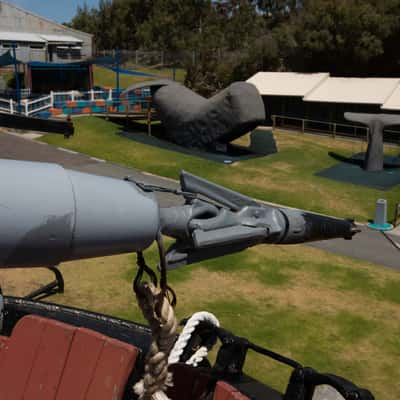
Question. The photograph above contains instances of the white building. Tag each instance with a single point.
(39, 39)
(317, 101)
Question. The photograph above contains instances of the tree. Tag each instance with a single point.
(226, 40)
(84, 20)
(343, 37)
(279, 10)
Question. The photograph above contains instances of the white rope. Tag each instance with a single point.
(163, 326)
(186, 334)
(198, 356)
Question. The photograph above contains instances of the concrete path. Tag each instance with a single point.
(19, 147)
(368, 245)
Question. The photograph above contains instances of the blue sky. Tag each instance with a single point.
(56, 10)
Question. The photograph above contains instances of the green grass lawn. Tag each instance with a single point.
(327, 311)
(286, 177)
(105, 77)
(331, 312)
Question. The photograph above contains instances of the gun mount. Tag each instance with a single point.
(49, 214)
(72, 215)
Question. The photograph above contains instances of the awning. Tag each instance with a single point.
(51, 65)
(354, 90)
(54, 39)
(393, 102)
(21, 37)
(7, 59)
(286, 83)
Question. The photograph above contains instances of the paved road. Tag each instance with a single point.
(16, 147)
(368, 245)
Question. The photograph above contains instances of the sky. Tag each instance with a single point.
(56, 10)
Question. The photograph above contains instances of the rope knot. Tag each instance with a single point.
(159, 313)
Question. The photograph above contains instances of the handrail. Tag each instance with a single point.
(40, 99)
(36, 105)
(332, 128)
(29, 107)
(320, 122)
(10, 106)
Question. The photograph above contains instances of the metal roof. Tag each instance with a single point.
(393, 101)
(354, 90)
(286, 83)
(320, 87)
(21, 37)
(60, 38)
(37, 38)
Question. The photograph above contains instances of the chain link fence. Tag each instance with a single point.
(150, 59)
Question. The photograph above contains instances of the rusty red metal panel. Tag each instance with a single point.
(49, 364)
(224, 391)
(113, 368)
(189, 382)
(4, 343)
(20, 356)
(4, 340)
(81, 364)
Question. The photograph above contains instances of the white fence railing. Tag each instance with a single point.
(40, 104)
(8, 105)
(30, 107)
(91, 95)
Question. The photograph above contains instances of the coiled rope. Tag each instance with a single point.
(185, 336)
(158, 309)
(163, 326)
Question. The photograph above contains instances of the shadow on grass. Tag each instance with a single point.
(262, 143)
(389, 162)
(350, 170)
(349, 160)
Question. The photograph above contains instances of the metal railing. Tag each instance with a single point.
(37, 105)
(8, 105)
(54, 99)
(332, 129)
(23, 93)
(75, 95)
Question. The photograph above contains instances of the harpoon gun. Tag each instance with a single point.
(49, 214)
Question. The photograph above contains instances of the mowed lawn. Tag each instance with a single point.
(326, 311)
(106, 77)
(287, 177)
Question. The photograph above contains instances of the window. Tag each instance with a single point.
(9, 45)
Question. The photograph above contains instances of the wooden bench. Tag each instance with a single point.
(224, 391)
(49, 360)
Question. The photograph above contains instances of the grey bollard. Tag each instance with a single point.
(381, 212)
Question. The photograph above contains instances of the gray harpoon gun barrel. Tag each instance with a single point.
(49, 214)
(227, 222)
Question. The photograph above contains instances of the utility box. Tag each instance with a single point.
(380, 220)
(380, 212)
